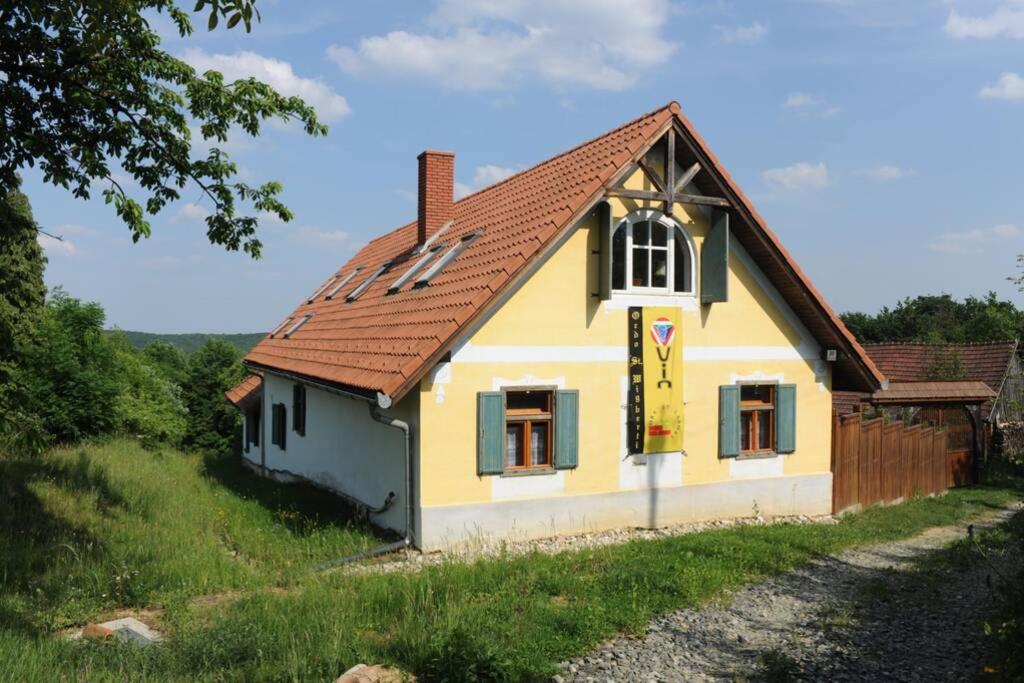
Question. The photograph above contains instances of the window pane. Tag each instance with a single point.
(682, 265)
(764, 429)
(514, 445)
(641, 232)
(619, 259)
(756, 394)
(659, 234)
(640, 274)
(539, 443)
(528, 401)
(746, 431)
(659, 268)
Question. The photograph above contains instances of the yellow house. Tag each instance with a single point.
(612, 338)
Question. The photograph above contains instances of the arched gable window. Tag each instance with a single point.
(651, 254)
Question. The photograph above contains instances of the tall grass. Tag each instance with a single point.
(506, 618)
(112, 525)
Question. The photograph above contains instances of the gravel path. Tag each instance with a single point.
(869, 614)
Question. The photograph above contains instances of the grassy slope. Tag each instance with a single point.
(154, 519)
(189, 342)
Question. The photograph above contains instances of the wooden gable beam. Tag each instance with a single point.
(650, 174)
(687, 177)
(670, 170)
(644, 195)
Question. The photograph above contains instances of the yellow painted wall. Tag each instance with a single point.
(556, 308)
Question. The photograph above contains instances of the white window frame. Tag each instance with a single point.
(655, 216)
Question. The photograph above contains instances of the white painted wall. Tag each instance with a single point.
(344, 449)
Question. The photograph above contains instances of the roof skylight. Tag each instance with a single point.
(283, 323)
(295, 328)
(448, 257)
(322, 289)
(355, 293)
(344, 281)
(416, 267)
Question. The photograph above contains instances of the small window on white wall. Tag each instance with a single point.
(651, 254)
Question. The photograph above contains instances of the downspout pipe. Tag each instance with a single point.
(390, 421)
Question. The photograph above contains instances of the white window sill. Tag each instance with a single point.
(621, 300)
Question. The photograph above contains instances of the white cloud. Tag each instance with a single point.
(485, 175)
(318, 236)
(191, 212)
(742, 34)
(407, 195)
(974, 241)
(799, 176)
(887, 173)
(1009, 87)
(1006, 21)
(52, 245)
(495, 45)
(74, 229)
(329, 105)
(797, 100)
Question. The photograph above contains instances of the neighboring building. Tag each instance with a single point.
(603, 340)
(997, 364)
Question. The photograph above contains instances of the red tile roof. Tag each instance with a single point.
(385, 343)
(246, 391)
(987, 362)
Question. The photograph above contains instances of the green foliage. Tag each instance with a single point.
(940, 320)
(1006, 630)
(69, 373)
(170, 361)
(213, 423)
(106, 527)
(22, 296)
(149, 403)
(189, 342)
(87, 90)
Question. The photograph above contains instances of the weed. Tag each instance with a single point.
(776, 666)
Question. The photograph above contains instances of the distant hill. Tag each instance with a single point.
(189, 342)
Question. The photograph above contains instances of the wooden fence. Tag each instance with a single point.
(873, 462)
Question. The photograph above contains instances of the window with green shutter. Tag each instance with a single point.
(785, 419)
(299, 409)
(714, 260)
(279, 425)
(729, 421)
(567, 430)
(490, 414)
(527, 429)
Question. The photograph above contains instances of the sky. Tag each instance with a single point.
(882, 140)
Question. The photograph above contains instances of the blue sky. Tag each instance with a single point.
(882, 140)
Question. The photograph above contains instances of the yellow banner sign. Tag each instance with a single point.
(655, 380)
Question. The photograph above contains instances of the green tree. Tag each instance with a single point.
(168, 359)
(69, 374)
(149, 405)
(213, 423)
(940, 320)
(86, 89)
(22, 296)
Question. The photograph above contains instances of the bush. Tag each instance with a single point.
(68, 374)
(149, 405)
(213, 423)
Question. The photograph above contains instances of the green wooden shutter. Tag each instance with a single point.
(604, 225)
(728, 421)
(785, 419)
(714, 260)
(490, 420)
(567, 429)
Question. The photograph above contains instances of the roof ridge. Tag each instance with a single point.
(566, 152)
(917, 343)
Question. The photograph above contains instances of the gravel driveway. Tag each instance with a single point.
(863, 615)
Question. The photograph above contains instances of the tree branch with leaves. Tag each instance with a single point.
(85, 89)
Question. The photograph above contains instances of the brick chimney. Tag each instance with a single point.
(436, 189)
